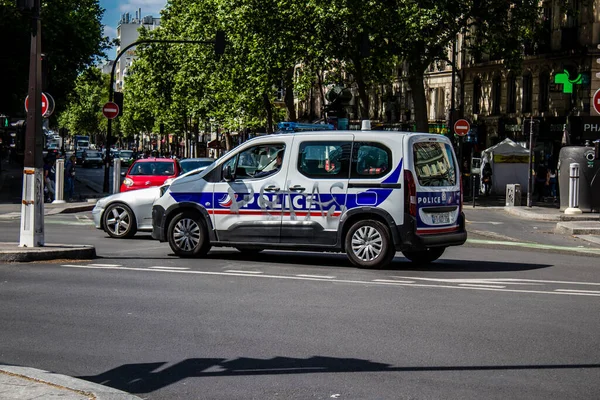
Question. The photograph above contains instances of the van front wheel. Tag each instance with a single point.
(187, 235)
(368, 244)
(426, 256)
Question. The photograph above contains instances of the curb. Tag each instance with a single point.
(579, 228)
(10, 252)
(94, 390)
(550, 217)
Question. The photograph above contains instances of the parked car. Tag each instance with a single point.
(91, 158)
(79, 157)
(367, 194)
(190, 164)
(122, 215)
(149, 172)
(126, 157)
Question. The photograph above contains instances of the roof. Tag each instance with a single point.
(507, 146)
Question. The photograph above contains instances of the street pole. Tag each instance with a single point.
(529, 175)
(32, 208)
(219, 43)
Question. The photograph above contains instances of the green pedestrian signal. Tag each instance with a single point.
(4, 121)
(568, 83)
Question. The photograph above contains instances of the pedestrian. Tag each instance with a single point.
(551, 182)
(541, 181)
(49, 179)
(70, 178)
(486, 176)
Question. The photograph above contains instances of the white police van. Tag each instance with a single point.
(365, 193)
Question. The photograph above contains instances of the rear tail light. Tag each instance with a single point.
(410, 194)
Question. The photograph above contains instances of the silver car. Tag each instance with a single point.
(122, 215)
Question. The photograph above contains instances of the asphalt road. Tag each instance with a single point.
(480, 323)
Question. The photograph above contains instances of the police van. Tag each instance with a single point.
(366, 193)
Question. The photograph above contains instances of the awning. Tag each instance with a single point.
(215, 144)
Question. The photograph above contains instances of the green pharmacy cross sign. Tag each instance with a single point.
(568, 83)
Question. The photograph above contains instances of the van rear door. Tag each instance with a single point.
(437, 183)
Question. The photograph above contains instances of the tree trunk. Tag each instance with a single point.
(269, 111)
(417, 85)
(228, 145)
(362, 92)
(289, 96)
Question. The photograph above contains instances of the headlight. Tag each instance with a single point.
(128, 182)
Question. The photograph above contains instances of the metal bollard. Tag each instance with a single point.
(59, 188)
(573, 189)
(116, 175)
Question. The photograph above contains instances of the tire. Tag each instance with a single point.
(249, 250)
(368, 244)
(119, 221)
(424, 256)
(188, 236)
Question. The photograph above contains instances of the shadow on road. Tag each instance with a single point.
(145, 377)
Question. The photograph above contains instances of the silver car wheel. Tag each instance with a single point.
(119, 221)
(367, 243)
(186, 234)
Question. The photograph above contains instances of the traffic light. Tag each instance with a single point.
(220, 43)
(118, 99)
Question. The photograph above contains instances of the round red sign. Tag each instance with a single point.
(45, 104)
(110, 110)
(462, 127)
(597, 101)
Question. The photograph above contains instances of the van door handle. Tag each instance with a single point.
(297, 188)
(272, 188)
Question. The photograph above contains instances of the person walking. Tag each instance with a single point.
(541, 181)
(50, 179)
(487, 178)
(551, 182)
(70, 178)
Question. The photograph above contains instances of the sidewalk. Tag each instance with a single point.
(20, 383)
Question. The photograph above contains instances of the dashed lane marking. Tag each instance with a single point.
(536, 246)
(481, 286)
(391, 281)
(317, 276)
(257, 274)
(235, 271)
(577, 291)
(105, 265)
(173, 268)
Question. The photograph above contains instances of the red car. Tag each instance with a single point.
(149, 172)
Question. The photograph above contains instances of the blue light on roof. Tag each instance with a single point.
(287, 127)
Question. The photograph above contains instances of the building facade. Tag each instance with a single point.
(127, 33)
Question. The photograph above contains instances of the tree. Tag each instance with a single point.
(72, 40)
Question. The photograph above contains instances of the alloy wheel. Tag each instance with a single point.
(186, 234)
(367, 243)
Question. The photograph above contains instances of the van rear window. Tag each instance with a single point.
(434, 164)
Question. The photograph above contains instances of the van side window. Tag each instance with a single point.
(324, 160)
(370, 160)
(256, 162)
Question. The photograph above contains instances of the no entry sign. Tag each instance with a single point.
(597, 101)
(45, 104)
(110, 110)
(462, 127)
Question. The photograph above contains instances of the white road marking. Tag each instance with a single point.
(485, 222)
(105, 265)
(542, 281)
(317, 276)
(173, 268)
(483, 281)
(480, 285)
(577, 291)
(392, 281)
(245, 274)
(235, 271)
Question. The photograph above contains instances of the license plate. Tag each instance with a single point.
(440, 218)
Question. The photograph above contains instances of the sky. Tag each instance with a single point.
(114, 9)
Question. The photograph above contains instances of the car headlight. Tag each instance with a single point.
(128, 182)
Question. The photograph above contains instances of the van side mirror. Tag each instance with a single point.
(227, 174)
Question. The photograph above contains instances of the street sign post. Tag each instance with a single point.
(596, 101)
(462, 127)
(110, 110)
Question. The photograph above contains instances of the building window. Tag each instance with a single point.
(544, 91)
(527, 92)
(477, 96)
(496, 94)
(511, 94)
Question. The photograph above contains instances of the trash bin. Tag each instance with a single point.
(513, 195)
(589, 172)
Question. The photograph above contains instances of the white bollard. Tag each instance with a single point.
(59, 187)
(116, 175)
(573, 190)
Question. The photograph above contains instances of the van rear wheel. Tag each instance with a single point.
(368, 244)
(426, 256)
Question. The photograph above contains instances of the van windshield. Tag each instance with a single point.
(434, 164)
